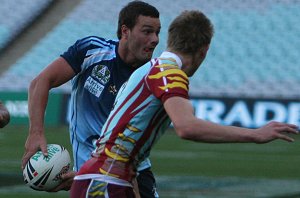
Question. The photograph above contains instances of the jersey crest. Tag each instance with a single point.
(95, 83)
(102, 73)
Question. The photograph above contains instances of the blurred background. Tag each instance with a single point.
(250, 76)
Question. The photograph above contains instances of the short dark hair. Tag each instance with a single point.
(189, 32)
(129, 14)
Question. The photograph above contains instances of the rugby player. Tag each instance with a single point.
(98, 67)
(155, 95)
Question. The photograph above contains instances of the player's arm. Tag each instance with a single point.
(4, 115)
(54, 75)
(189, 127)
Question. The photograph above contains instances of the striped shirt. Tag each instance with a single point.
(138, 118)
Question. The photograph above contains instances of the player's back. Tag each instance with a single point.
(138, 118)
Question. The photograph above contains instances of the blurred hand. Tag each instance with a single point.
(35, 141)
(4, 116)
(68, 179)
(275, 130)
(136, 188)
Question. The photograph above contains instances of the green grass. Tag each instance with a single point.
(12, 140)
(278, 159)
(171, 157)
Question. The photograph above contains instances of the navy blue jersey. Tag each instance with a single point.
(100, 73)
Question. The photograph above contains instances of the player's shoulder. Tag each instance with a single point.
(163, 67)
(97, 41)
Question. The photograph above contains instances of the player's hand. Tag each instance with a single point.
(275, 130)
(4, 116)
(136, 188)
(68, 179)
(35, 142)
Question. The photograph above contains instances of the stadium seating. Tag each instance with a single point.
(17, 15)
(254, 52)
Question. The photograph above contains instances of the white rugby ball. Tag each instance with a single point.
(43, 173)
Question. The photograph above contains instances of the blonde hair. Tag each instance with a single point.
(189, 32)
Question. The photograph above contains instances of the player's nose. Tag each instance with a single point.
(154, 39)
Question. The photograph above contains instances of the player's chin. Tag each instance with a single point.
(148, 55)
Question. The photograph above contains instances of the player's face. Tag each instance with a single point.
(143, 38)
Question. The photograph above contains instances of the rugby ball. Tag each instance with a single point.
(43, 173)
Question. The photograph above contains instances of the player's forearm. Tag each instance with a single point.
(189, 127)
(37, 102)
(204, 131)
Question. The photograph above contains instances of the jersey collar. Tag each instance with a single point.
(167, 54)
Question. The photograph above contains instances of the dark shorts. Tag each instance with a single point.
(99, 189)
(147, 184)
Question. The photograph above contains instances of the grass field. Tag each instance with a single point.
(182, 168)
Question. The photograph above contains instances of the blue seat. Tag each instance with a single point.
(256, 43)
(16, 15)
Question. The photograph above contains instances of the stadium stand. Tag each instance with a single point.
(254, 52)
(16, 15)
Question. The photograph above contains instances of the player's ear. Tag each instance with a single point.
(124, 31)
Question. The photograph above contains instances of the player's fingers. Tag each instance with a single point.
(25, 159)
(66, 185)
(294, 126)
(60, 187)
(44, 149)
(285, 137)
(68, 175)
(287, 129)
(280, 124)
(287, 124)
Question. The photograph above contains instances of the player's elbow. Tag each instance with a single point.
(44, 81)
(184, 131)
(33, 84)
(37, 82)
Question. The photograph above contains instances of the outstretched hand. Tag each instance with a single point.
(275, 130)
(34, 143)
(68, 179)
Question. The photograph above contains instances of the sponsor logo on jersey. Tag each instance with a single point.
(102, 73)
(93, 86)
(99, 77)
